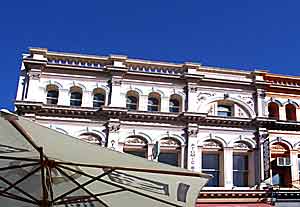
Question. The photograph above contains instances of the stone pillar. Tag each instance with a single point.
(282, 114)
(228, 167)
(143, 103)
(192, 98)
(298, 113)
(87, 99)
(252, 166)
(182, 153)
(114, 135)
(263, 157)
(193, 163)
(116, 100)
(164, 104)
(294, 167)
(261, 105)
(150, 151)
(34, 91)
(200, 149)
(63, 97)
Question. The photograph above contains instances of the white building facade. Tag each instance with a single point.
(205, 119)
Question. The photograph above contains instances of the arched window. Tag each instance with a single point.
(170, 152)
(52, 94)
(91, 138)
(290, 111)
(225, 110)
(273, 109)
(154, 102)
(136, 145)
(132, 100)
(241, 164)
(281, 164)
(175, 103)
(75, 96)
(211, 161)
(99, 98)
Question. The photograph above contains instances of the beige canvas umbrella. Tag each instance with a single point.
(42, 167)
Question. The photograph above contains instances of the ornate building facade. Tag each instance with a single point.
(240, 126)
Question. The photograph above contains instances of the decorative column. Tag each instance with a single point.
(298, 113)
(143, 103)
(150, 151)
(228, 167)
(164, 104)
(87, 99)
(282, 114)
(193, 162)
(294, 167)
(113, 127)
(200, 149)
(116, 100)
(261, 105)
(192, 97)
(34, 91)
(63, 97)
(182, 156)
(263, 156)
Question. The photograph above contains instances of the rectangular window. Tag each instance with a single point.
(169, 158)
(240, 170)
(136, 153)
(224, 110)
(210, 165)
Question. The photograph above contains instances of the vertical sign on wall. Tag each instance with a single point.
(266, 156)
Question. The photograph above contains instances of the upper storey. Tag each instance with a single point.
(75, 82)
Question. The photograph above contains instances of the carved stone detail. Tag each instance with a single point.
(192, 131)
(211, 144)
(241, 145)
(135, 141)
(202, 96)
(114, 128)
(169, 142)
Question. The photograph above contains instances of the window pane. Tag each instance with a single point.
(131, 103)
(210, 161)
(224, 110)
(174, 105)
(168, 158)
(152, 108)
(152, 101)
(99, 97)
(214, 182)
(210, 165)
(52, 97)
(240, 179)
(240, 162)
(76, 95)
(137, 153)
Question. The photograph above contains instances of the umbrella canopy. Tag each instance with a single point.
(42, 167)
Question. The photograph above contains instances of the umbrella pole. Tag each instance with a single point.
(45, 201)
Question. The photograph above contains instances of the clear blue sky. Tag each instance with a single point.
(241, 34)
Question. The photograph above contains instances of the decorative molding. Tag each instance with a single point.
(135, 141)
(169, 142)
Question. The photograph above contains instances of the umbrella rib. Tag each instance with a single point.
(82, 187)
(23, 132)
(84, 184)
(137, 169)
(17, 166)
(16, 197)
(21, 180)
(19, 158)
(18, 189)
(87, 197)
(122, 187)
